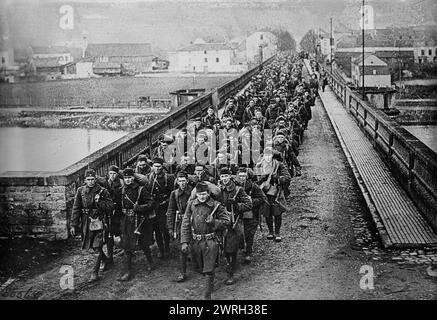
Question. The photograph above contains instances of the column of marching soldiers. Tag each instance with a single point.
(210, 208)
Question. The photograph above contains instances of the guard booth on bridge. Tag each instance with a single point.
(182, 96)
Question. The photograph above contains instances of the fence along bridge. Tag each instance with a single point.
(396, 172)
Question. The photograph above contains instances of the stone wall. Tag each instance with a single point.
(38, 211)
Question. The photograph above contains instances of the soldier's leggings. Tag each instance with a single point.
(278, 223)
(232, 261)
(161, 234)
(148, 253)
(110, 246)
(101, 257)
(250, 226)
(183, 257)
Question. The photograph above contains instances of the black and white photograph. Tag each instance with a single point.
(218, 155)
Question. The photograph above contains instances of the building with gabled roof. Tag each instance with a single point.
(118, 50)
(376, 71)
(422, 41)
(62, 54)
(204, 57)
(134, 57)
(260, 43)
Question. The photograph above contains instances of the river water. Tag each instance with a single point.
(46, 149)
(425, 133)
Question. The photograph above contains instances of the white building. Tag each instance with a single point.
(261, 39)
(325, 43)
(7, 57)
(424, 54)
(376, 72)
(84, 69)
(204, 57)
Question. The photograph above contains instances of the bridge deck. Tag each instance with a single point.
(404, 226)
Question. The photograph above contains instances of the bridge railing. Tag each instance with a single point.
(51, 194)
(412, 162)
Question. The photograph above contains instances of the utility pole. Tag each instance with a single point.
(400, 63)
(261, 54)
(331, 43)
(362, 57)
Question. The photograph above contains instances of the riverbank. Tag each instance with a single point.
(122, 91)
(83, 120)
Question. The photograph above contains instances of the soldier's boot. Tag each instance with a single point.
(160, 243)
(278, 223)
(209, 287)
(230, 280)
(298, 171)
(247, 259)
(105, 262)
(95, 274)
(269, 221)
(166, 253)
(183, 274)
(149, 264)
(127, 268)
(110, 247)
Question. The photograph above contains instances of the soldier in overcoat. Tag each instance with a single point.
(236, 201)
(203, 218)
(251, 219)
(160, 184)
(175, 212)
(113, 182)
(274, 179)
(92, 203)
(138, 212)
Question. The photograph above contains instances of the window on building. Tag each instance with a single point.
(261, 37)
(423, 52)
(204, 52)
(217, 60)
(4, 60)
(206, 59)
(430, 52)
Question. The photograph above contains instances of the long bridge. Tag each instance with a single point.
(397, 173)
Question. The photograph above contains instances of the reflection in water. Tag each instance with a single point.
(426, 134)
(44, 149)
